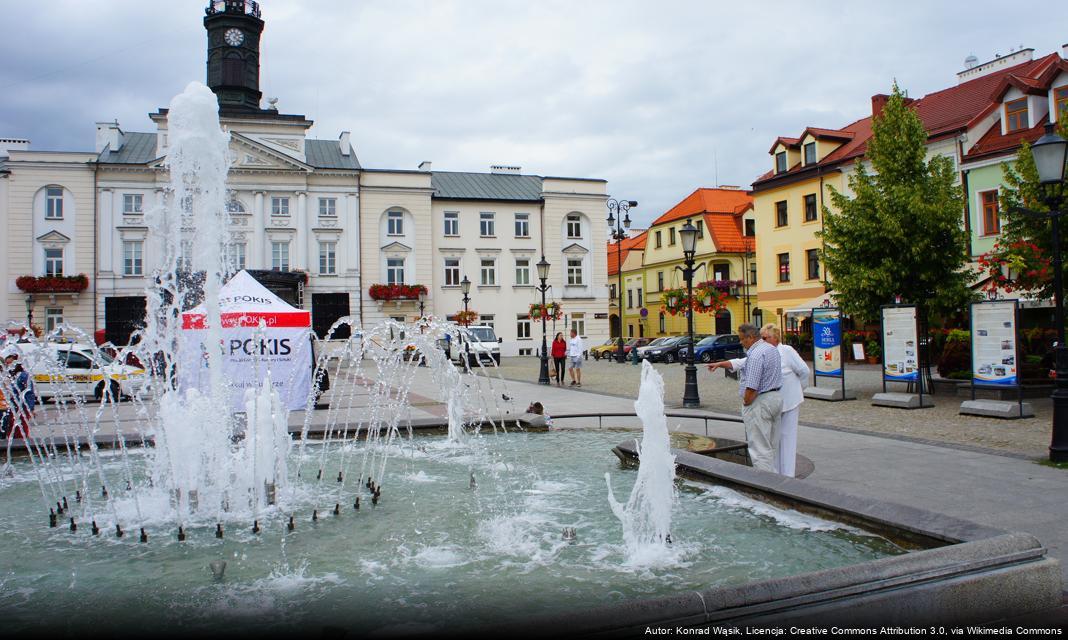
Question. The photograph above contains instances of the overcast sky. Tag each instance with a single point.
(659, 98)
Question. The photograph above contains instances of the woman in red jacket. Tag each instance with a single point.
(559, 351)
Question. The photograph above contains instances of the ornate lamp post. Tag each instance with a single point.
(543, 275)
(422, 304)
(1050, 153)
(465, 288)
(690, 397)
(29, 312)
(619, 217)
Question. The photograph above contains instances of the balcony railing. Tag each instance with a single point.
(243, 7)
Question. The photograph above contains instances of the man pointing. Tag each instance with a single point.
(759, 387)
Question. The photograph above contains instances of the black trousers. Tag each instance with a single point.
(559, 364)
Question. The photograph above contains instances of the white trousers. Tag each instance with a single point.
(788, 442)
(762, 421)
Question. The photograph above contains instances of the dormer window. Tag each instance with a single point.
(1060, 102)
(780, 162)
(810, 153)
(1016, 115)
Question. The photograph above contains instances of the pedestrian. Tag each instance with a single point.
(5, 415)
(23, 397)
(575, 347)
(559, 352)
(760, 387)
(795, 373)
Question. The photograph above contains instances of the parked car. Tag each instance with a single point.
(604, 350)
(655, 343)
(712, 348)
(68, 370)
(634, 343)
(669, 351)
(484, 345)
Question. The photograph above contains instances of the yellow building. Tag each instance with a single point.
(725, 253)
(787, 203)
(627, 252)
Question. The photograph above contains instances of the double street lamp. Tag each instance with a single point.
(690, 397)
(619, 217)
(1051, 153)
(543, 275)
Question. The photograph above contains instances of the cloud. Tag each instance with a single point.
(657, 98)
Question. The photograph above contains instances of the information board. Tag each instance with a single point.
(827, 342)
(901, 345)
(994, 356)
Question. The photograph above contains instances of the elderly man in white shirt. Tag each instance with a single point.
(795, 373)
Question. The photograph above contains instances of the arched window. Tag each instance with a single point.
(235, 206)
(233, 69)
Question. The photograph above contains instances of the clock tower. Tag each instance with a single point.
(234, 28)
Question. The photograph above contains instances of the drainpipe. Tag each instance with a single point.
(819, 210)
(967, 196)
(96, 248)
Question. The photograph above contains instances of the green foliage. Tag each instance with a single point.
(959, 335)
(1019, 231)
(901, 232)
(956, 357)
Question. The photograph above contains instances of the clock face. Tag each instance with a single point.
(234, 37)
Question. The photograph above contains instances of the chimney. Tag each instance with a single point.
(344, 144)
(108, 134)
(878, 101)
(424, 165)
(13, 144)
(504, 168)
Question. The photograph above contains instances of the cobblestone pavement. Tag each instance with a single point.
(939, 424)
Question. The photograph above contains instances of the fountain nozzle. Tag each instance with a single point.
(315, 515)
(118, 531)
(337, 508)
(340, 477)
(570, 533)
(144, 536)
(472, 484)
(374, 500)
(52, 518)
(181, 534)
(356, 505)
(73, 525)
(218, 568)
(96, 529)
(65, 507)
(319, 476)
(103, 491)
(292, 525)
(218, 530)
(255, 526)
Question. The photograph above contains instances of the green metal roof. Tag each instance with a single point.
(137, 148)
(486, 186)
(326, 154)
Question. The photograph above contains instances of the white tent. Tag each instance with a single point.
(249, 352)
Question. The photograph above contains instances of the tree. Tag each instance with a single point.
(901, 233)
(1026, 244)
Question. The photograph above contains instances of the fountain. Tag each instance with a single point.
(199, 505)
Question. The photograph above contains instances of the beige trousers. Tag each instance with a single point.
(762, 421)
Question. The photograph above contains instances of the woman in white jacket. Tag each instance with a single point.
(795, 375)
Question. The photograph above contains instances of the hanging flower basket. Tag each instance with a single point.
(551, 311)
(53, 284)
(708, 297)
(466, 318)
(396, 291)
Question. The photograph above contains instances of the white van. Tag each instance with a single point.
(483, 346)
(66, 370)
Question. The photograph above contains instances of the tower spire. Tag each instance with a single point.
(234, 28)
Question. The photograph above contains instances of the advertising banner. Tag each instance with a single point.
(994, 357)
(260, 332)
(901, 345)
(827, 342)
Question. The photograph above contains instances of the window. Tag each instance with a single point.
(784, 267)
(782, 218)
(452, 223)
(522, 225)
(53, 262)
(810, 153)
(132, 258)
(54, 203)
(750, 228)
(630, 299)
(280, 256)
(452, 272)
(53, 318)
(991, 221)
(522, 328)
(700, 229)
(328, 207)
(526, 352)
(659, 280)
(663, 323)
(658, 242)
(752, 273)
(1060, 102)
(612, 293)
(488, 272)
(574, 272)
(328, 308)
(237, 255)
(486, 320)
(279, 206)
(234, 207)
(132, 203)
(328, 258)
(721, 271)
(671, 236)
(574, 226)
(485, 224)
(810, 207)
(522, 272)
(394, 270)
(1016, 115)
(812, 258)
(578, 323)
(394, 223)
(780, 162)
(639, 297)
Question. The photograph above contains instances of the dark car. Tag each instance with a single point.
(669, 351)
(713, 348)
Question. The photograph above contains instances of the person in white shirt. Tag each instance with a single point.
(575, 347)
(795, 373)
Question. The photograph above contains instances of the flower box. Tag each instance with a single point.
(385, 292)
(53, 284)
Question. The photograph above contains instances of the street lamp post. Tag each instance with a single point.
(1050, 153)
(465, 288)
(619, 217)
(690, 397)
(543, 275)
(422, 303)
(29, 311)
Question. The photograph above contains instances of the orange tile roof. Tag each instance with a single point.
(706, 200)
(637, 243)
(995, 143)
(726, 232)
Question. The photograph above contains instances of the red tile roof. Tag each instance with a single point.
(726, 232)
(637, 243)
(817, 132)
(706, 200)
(995, 143)
(786, 142)
(857, 144)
